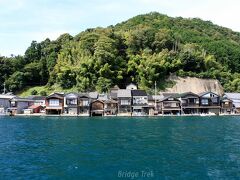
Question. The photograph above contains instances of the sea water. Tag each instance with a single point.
(117, 147)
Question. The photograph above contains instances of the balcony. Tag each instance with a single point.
(227, 106)
(190, 105)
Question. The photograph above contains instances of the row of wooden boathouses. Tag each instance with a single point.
(122, 102)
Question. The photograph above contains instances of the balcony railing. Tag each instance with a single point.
(190, 104)
(227, 106)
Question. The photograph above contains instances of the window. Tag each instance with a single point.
(13, 104)
(140, 100)
(184, 101)
(71, 101)
(204, 101)
(192, 100)
(37, 103)
(54, 102)
(85, 103)
(125, 102)
(171, 104)
(215, 100)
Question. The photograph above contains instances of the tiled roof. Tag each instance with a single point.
(6, 96)
(153, 97)
(18, 99)
(150, 98)
(113, 95)
(236, 104)
(139, 93)
(168, 94)
(232, 95)
(93, 95)
(187, 94)
(102, 97)
(37, 97)
(56, 95)
(72, 95)
(83, 95)
(203, 93)
(166, 98)
(124, 93)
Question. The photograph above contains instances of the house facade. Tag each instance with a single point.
(235, 98)
(227, 106)
(84, 104)
(38, 100)
(55, 103)
(124, 98)
(110, 107)
(209, 103)
(18, 105)
(154, 104)
(139, 103)
(71, 101)
(113, 93)
(170, 106)
(189, 103)
(5, 102)
(97, 108)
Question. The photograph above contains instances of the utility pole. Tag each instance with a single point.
(4, 88)
(155, 95)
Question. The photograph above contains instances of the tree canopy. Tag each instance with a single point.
(143, 49)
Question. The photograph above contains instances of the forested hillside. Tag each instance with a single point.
(144, 49)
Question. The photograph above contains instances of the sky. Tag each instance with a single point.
(22, 21)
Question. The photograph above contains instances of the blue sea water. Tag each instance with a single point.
(114, 147)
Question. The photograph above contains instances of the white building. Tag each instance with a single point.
(131, 87)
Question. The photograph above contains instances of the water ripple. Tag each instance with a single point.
(98, 148)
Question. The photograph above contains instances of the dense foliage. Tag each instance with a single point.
(144, 49)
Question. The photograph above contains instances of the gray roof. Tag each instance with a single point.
(157, 97)
(204, 93)
(113, 95)
(236, 104)
(150, 97)
(82, 95)
(153, 97)
(232, 95)
(6, 96)
(124, 93)
(139, 93)
(172, 97)
(18, 99)
(168, 94)
(93, 95)
(56, 95)
(72, 95)
(37, 97)
(102, 97)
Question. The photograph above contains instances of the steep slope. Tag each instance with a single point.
(195, 85)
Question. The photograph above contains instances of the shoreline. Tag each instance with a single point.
(64, 115)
